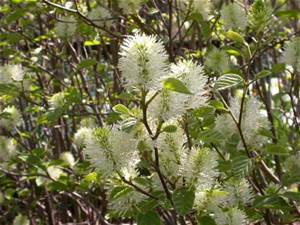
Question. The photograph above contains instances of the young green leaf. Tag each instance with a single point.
(176, 85)
(228, 81)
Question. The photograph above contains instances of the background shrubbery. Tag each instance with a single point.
(149, 112)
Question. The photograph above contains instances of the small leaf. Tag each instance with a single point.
(122, 109)
(295, 196)
(148, 218)
(170, 129)
(262, 74)
(234, 36)
(91, 43)
(228, 81)
(276, 149)
(183, 199)
(176, 85)
(270, 202)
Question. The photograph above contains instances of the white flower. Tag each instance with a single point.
(7, 148)
(291, 55)
(192, 75)
(12, 117)
(233, 216)
(198, 166)
(112, 150)
(202, 7)
(57, 100)
(253, 120)
(21, 220)
(100, 16)
(143, 61)
(234, 16)
(170, 147)
(66, 27)
(10, 73)
(55, 172)
(81, 136)
(237, 192)
(68, 158)
(168, 104)
(130, 6)
(217, 60)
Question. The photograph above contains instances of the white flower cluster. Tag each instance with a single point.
(21, 220)
(234, 16)
(198, 167)
(111, 150)
(168, 105)
(291, 54)
(202, 7)
(171, 147)
(253, 120)
(143, 61)
(66, 27)
(57, 100)
(233, 216)
(81, 136)
(7, 148)
(10, 73)
(100, 16)
(217, 60)
(11, 118)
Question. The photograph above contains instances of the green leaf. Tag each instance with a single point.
(86, 63)
(176, 85)
(234, 36)
(240, 165)
(276, 149)
(228, 81)
(148, 218)
(183, 199)
(91, 43)
(170, 129)
(295, 196)
(206, 220)
(262, 74)
(122, 109)
(270, 202)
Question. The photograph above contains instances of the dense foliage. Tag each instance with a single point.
(149, 112)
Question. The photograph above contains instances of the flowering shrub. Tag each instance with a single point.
(149, 112)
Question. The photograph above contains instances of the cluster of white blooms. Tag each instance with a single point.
(126, 201)
(170, 146)
(57, 100)
(291, 54)
(111, 150)
(130, 6)
(100, 16)
(21, 220)
(253, 120)
(217, 60)
(55, 172)
(234, 16)
(7, 148)
(168, 105)
(68, 158)
(237, 192)
(143, 61)
(12, 117)
(66, 27)
(10, 73)
(198, 166)
(81, 136)
(202, 7)
(233, 216)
